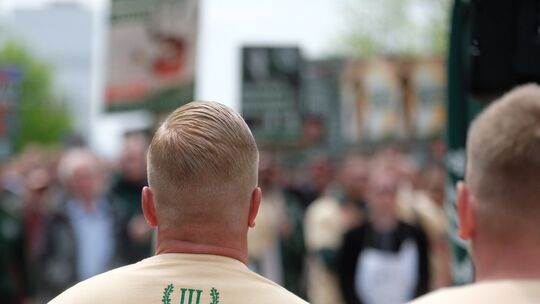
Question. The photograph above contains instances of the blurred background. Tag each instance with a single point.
(360, 109)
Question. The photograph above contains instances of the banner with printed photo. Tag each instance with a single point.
(371, 106)
(428, 107)
(151, 54)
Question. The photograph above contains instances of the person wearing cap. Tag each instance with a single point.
(498, 206)
(202, 198)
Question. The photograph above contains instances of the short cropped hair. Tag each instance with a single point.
(202, 158)
(503, 149)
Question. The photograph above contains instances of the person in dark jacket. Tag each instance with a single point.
(81, 234)
(14, 275)
(126, 188)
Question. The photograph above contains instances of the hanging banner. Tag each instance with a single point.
(372, 107)
(428, 107)
(320, 104)
(271, 93)
(151, 54)
(352, 105)
(10, 79)
(383, 101)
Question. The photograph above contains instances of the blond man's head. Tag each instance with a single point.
(202, 165)
(503, 170)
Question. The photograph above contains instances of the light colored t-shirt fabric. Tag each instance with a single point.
(494, 292)
(324, 224)
(264, 238)
(179, 279)
(324, 229)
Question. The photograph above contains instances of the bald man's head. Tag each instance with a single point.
(503, 170)
(202, 165)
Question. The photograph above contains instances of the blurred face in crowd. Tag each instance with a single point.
(35, 184)
(433, 181)
(268, 171)
(320, 172)
(133, 161)
(80, 171)
(85, 182)
(382, 192)
(354, 177)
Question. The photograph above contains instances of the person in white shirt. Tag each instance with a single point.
(498, 205)
(202, 199)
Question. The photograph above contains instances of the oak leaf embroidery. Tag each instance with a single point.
(215, 296)
(167, 294)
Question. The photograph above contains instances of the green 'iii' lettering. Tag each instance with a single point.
(190, 296)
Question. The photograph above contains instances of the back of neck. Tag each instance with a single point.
(510, 262)
(202, 241)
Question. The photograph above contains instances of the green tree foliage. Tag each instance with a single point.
(41, 116)
(395, 27)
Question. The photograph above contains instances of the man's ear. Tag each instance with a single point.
(148, 207)
(254, 205)
(466, 212)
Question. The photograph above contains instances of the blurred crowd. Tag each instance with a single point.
(359, 228)
(67, 215)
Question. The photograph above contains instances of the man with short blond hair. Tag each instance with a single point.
(203, 198)
(498, 206)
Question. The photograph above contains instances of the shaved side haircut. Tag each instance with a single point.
(202, 164)
(504, 161)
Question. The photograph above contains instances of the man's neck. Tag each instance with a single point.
(518, 262)
(175, 241)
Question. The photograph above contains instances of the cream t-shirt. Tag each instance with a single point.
(324, 229)
(494, 292)
(179, 279)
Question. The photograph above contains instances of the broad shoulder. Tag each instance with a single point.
(92, 288)
(271, 292)
(522, 292)
(176, 276)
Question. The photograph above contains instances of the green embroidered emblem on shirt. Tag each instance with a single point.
(167, 294)
(188, 294)
(215, 296)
